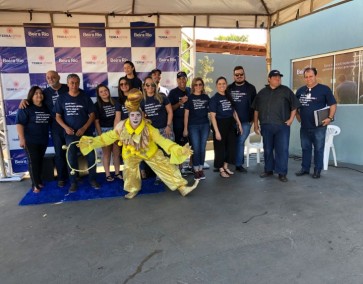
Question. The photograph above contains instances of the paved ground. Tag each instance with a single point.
(238, 230)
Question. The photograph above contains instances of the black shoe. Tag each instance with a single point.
(266, 174)
(283, 178)
(61, 183)
(73, 188)
(95, 184)
(241, 169)
(316, 174)
(301, 173)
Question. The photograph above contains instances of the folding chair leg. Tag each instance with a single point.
(326, 157)
(334, 156)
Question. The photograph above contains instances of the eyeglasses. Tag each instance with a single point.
(239, 74)
(198, 85)
(150, 85)
(124, 84)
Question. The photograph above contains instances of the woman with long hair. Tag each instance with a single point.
(223, 118)
(32, 124)
(108, 114)
(130, 71)
(196, 125)
(124, 86)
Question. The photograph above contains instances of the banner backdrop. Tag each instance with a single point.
(96, 54)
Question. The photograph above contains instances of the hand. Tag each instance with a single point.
(240, 129)
(288, 122)
(167, 131)
(23, 104)
(256, 128)
(22, 142)
(183, 100)
(218, 136)
(185, 133)
(80, 132)
(187, 150)
(69, 130)
(326, 121)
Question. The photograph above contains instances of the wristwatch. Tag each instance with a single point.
(331, 118)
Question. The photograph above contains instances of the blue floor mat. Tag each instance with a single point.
(51, 193)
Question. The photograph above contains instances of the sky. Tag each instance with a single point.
(255, 36)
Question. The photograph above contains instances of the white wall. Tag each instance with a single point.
(332, 30)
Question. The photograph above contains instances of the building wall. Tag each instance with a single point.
(255, 68)
(332, 30)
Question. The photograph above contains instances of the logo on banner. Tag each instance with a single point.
(144, 60)
(94, 60)
(167, 58)
(167, 35)
(92, 80)
(19, 161)
(11, 109)
(116, 57)
(66, 35)
(118, 34)
(68, 60)
(142, 34)
(13, 60)
(38, 36)
(41, 60)
(9, 34)
(91, 37)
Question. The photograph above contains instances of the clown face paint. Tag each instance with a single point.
(135, 118)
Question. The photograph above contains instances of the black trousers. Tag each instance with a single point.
(35, 153)
(225, 149)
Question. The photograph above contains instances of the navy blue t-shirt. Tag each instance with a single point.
(136, 83)
(106, 113)
(174, 97)
(221, 106)
(156, 111)
(198, 107)
(36, 123)
(242, 102)
(51, 96)
(316, 98)
(75, 111)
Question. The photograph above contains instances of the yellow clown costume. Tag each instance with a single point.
(141, 144)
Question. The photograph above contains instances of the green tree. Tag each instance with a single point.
(232, 37)
(206, 66)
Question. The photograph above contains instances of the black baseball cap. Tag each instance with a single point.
(275, 73)
(181, 74)
(155, 70)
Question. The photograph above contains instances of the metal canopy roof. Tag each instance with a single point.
(180, 13)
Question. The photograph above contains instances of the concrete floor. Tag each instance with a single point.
(238, 230)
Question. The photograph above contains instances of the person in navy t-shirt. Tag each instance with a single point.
(312, 97)
(32, 124)
(196, 125)
(223, 118)
(75, 113)
(124, 86)
(178, 97)
(108, 114)
(130, 71)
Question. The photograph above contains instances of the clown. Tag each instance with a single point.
(140, 142)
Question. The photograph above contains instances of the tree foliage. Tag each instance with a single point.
(206, 66)
(232, 37)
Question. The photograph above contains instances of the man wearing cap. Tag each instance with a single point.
(312, 97)
(156, 76)
(275, 107)
(243, 93)
(178, 97)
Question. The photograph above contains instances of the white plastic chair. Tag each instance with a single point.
(253, 141)
(332, 130)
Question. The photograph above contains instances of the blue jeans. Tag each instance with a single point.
(198, 135)
(312, 137)
(73, 158)
(276, 139)
(57, 133)
(240, 143)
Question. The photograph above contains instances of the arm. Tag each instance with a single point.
(236, 118)
(66, 128)
(291, 119)
(215, 126)
(298, 116)
(84, 128)
(20, 130)
(23, 104)
(333, 109)
(87, 144)
(186, 120)
(256, 127)
(117, 118)
(98, 127)
(169, 110)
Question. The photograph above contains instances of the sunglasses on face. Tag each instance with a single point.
(150, 85)
(124, 84)
(239, 74)
(198, 85)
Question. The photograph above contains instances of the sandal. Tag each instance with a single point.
(223, 173)
(119, 176)
(109, 178)
(228, 171)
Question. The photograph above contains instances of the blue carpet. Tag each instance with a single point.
(51, 193)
